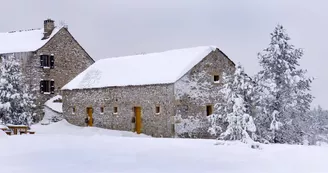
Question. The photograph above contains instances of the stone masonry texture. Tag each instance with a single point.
(179, 102)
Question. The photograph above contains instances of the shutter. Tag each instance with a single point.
(52, 61)
(52, 87)
(42, 86)
(41, 60)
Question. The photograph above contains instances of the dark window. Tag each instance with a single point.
(101, 109)
(47, 86)
(47, 61)
(115, 110)
(209, 110)
(216, 78)
(158, 109)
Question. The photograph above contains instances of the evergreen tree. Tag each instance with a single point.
(316, 129)
(286, 97)
(17, 104)
(236, 107)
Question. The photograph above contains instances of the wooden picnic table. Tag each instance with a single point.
(22, 129)
(11, 129)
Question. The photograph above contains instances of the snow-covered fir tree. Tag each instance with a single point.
(316, 128)
(16, 103)
(286, 97)
(236, 108)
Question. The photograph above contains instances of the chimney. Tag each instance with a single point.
(49, 26)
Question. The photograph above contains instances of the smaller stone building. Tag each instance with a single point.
(167, 94)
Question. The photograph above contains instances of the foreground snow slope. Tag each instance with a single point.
(62, 148)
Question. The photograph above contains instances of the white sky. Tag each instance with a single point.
(240, 28)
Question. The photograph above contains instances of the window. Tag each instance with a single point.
(73, 110)
(115, 110)
(102, 109)
(209, 110)
(47, 61)
(158, 109)
(47, 86)
(216, 78)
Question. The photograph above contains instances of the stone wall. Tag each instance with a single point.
(125, 98)
(197, 89)
(70, 60)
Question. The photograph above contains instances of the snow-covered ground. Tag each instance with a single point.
(63, 148)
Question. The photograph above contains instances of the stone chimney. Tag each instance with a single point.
(49, 26)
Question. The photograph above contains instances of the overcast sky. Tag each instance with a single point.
(241, 28)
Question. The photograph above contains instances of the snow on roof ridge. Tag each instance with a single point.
(130, 56)
(23, 30)
(146, 69)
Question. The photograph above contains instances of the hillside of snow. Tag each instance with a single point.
(64, 148)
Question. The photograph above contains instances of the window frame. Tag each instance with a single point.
(47, 86)
(47, 61)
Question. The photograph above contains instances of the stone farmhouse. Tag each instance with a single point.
(50, 57)
(167, 94)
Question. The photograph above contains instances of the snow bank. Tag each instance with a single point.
(67, 153)
(154, 68)
(65, 128)
(56, 106)
(3, 134)
(23, 41)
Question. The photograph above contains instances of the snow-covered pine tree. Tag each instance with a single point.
(236, 108)
(17, 104)
(316, 129)
(286, 97)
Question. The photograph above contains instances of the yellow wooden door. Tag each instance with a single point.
(137, 113)
(89, 112)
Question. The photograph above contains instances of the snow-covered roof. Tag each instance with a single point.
(153, 68)
(23, 41)
(56, 106)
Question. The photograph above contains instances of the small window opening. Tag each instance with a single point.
(209, 110)
(216, 78)
(158, 109)
(102, 109)
(115, 110)
(73, 110)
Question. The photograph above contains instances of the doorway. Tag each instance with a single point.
(90, 119)
(138, 121)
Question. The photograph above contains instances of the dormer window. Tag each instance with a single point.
(47, 61)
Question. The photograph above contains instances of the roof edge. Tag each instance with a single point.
(79, 44)
(117, 86)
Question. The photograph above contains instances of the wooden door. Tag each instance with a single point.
(138, 123)
(89, 112)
